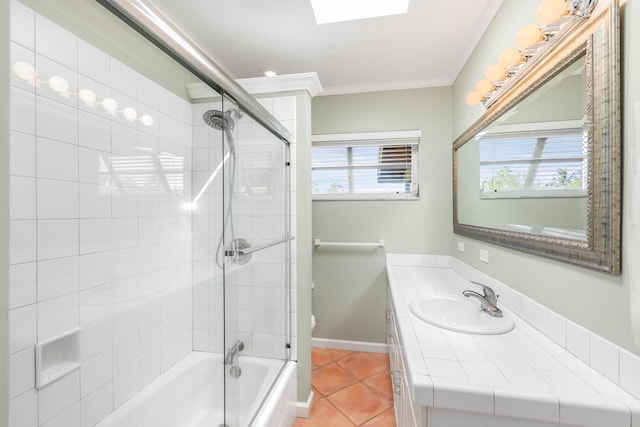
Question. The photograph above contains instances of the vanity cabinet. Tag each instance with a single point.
(407, 413)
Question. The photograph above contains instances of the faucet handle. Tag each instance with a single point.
(489, 293)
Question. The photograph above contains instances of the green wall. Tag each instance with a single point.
(350, 284)
(4, 213)
(596, 301)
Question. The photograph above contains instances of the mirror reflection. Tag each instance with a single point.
(527, 171)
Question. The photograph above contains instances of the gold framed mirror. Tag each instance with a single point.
(540, 171)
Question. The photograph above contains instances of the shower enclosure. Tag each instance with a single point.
(150, 234)
(241, 258)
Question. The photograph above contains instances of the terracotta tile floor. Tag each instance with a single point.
(350, 389)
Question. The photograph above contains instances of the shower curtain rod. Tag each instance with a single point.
(151, 22)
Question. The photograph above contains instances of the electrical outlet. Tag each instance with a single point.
(460, 246)
(484, 256)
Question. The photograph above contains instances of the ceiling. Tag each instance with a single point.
(426, 47)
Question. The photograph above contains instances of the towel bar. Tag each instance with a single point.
(378, 244)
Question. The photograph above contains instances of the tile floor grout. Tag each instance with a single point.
(350, 389)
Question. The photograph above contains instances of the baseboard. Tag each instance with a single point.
(303, 409)
(370, 347)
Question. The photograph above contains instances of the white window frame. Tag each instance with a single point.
(368, 139)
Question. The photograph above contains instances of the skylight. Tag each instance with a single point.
(328, 11)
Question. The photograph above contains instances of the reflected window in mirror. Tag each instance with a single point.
(533, 163)
(527, 171)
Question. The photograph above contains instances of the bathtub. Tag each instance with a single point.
(190, 394)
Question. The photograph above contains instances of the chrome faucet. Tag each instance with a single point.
(488, 301)
(231, 352)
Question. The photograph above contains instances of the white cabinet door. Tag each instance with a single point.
(403, 405)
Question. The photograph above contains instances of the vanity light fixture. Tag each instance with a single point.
(528, 36)
(484, 86)
(496, 72)
(510, 57)
(550, 11)
(555, 18)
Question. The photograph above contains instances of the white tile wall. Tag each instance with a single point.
(90, 247)
(23, 410)
(578, 341)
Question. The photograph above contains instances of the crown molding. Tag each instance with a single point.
(377, 87)
(286, 83)
(308, 82)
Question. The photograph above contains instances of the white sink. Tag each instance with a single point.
(460, 315)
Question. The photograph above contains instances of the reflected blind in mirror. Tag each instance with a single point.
(549, 163)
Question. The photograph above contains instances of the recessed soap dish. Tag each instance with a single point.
(57, 357)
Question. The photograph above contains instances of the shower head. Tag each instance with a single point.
(222, 121)
(219, 120)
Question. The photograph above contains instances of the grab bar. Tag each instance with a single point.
(252, 249)
(378, 244)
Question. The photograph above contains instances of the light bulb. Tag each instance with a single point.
(146, 120)
(110, 104)
(495, 72)
(130, 113)
(24, 70)
(528, 36)
(473, 98)
(510, 57)
(87, 96)
(551, 10)
(484, 86)
(270, 73)
(58, 84)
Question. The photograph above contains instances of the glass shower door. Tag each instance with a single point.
(256, 263)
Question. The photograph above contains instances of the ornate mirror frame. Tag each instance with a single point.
(598, 39)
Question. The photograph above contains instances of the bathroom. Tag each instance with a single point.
(349, 296)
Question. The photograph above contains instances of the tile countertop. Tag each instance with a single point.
(522, 373)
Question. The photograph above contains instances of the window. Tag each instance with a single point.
(533, 163)
(365, 166)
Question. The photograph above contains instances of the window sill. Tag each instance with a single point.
(370, 198)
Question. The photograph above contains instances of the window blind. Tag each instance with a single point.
(372, 167)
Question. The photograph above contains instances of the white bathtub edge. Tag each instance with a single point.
(279, 410)
(303, 409)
